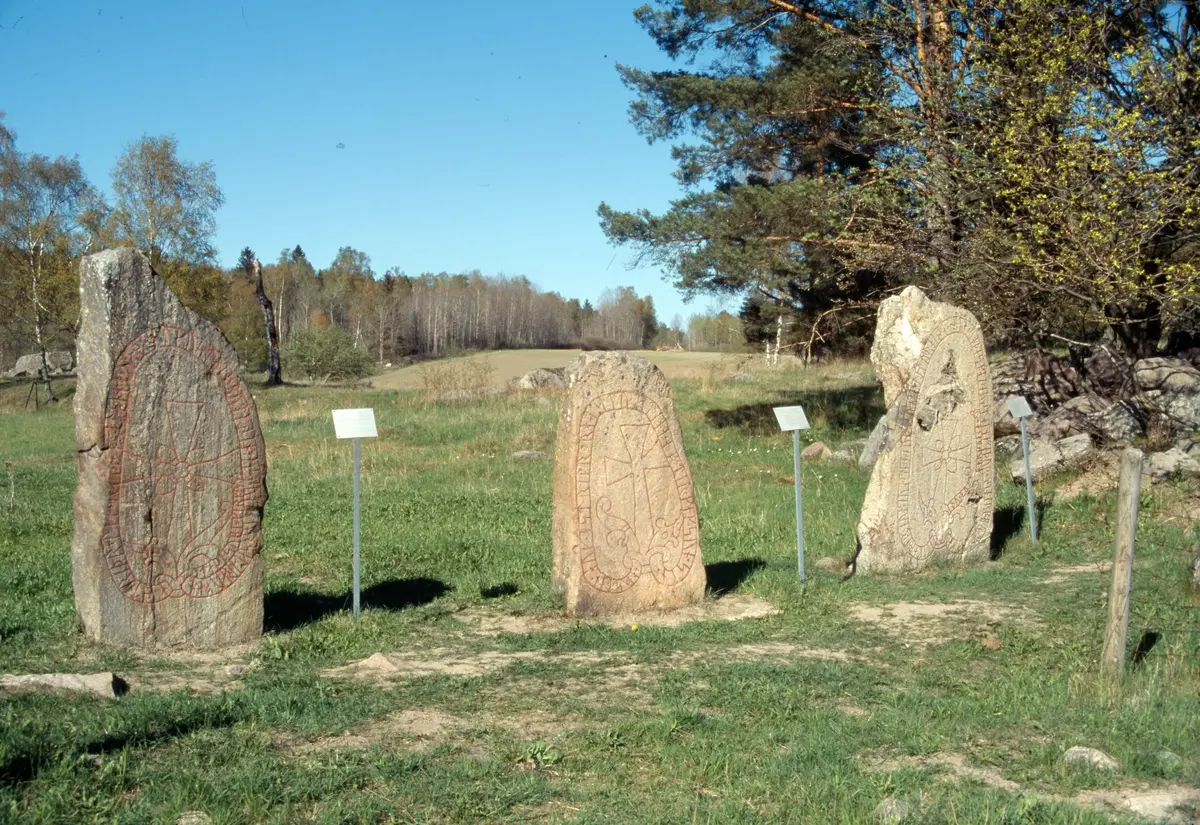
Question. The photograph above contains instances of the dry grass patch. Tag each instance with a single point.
(931, 623)
(732, 608)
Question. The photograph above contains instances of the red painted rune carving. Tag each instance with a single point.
(186, 470)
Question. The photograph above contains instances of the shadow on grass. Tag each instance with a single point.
(1145, 644)
(853, 408)
(23, 763)
(725, 576)
(1006, 523)
(497, 591)
(285, 610)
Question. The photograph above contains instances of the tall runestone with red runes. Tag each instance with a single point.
(626, 532)
(172, 471)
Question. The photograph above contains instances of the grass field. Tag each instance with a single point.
(955, 692)
(505, 365)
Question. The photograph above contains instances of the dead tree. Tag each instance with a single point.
(274, 371)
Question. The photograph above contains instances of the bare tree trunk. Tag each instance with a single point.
(35, 263)
(274, 370)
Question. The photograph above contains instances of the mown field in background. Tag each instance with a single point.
(505, 365)
(955, 691)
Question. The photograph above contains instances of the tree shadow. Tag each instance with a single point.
(285, 610)
(1006, 523)
(725, 576)
(852, 408)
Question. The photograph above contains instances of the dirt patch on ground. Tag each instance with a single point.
(1170, 804)
(954, 765)
(386, 667)
(931, 623)
(784, 651)
(736, 607)
(1060, 575)
(420, 727)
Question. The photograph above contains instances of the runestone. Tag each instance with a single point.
(932, 490)
(626, 533)
(167, 544)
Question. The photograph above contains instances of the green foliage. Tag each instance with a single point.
(1034, 162)
(326, 353)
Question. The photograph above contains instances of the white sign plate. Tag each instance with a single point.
(791, 418)
(354, 423)
(1018, 406)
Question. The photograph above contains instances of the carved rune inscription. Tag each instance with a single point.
(636, 505)
(181, 518)
(945, 471)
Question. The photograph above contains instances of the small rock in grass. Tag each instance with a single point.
(107, 685)
(529, 455)
(992, 643)
(194, 818)
(831, 564)
(236, 670)
(1090, 758)
(1169, 761)
(892, 811)
(817, 451)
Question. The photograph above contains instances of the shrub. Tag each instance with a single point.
(327, 353)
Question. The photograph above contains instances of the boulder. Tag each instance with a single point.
(817, 451)
(1049, 457)
(107, 685)
(932, 490)
(1090, 758)
(1091, 414)
(1172, 375)
(539, 379)
(60, 362)
(1172, 462)
(30, 365)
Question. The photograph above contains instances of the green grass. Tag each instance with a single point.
(603, 725)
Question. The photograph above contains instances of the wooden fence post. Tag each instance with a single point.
(1116, 631)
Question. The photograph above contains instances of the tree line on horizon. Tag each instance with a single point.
(337, 320)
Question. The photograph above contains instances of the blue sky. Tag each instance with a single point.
(476, 135)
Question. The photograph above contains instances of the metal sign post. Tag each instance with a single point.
(794, 420)
(1019, 408)
(356, 424)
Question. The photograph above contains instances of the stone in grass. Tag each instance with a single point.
(1168, 762)
(817, 451)
(1049, 457)
(107, 685)
(167, 548)
(892, 811)
(194, 818)
(1082, 757)
(932, 490)
(626, 534)
(832, 565)
(528, 455)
